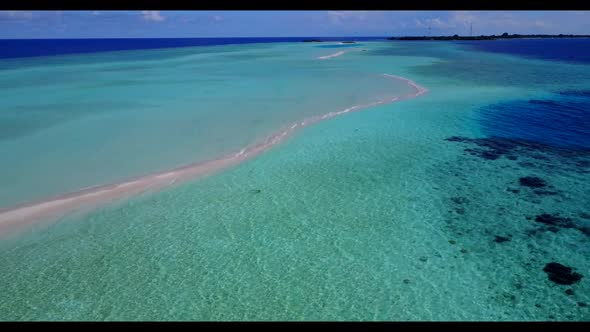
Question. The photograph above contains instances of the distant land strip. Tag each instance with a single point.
(490, 37)
(457, 37)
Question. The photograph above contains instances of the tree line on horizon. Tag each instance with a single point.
(505, 35)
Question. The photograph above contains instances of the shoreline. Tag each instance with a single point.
(17, 217)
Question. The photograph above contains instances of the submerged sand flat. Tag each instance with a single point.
(20, 216)
(142, 112)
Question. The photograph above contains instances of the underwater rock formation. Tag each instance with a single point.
(532, 182)
(561, 274)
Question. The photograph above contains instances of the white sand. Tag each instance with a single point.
(16, 217)
(333, 55)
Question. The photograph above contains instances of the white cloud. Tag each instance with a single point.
(543, 24)
(16, 14)
(436, 23)
(217, 18)
(95, 12)
(497, 22)
(419, 23)
(513, 22)
(338, 17)
(152, 15)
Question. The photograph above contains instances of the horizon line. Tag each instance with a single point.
(269, 37)
(199, 37)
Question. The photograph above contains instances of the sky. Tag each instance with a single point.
(170, 24)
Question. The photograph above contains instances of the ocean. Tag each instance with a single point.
(467, 201)
(21, 48)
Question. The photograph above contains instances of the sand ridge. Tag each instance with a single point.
(333, 55)
(15, 218)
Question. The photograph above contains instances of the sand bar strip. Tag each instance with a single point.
(26, 214)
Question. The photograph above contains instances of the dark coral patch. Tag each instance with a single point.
(545, 192)
(458, 139)
(460, 210)
(561, 274)
(554, 220)
(585, 230)
(485, 154)
(489, 148)
(500, 239)
(526, 164)
(493, 147)
(460, 200)
(539, 157)
(532, 182)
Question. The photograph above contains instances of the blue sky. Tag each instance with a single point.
(139, 24)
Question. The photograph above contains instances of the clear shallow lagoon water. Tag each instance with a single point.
(70, 122)
(407, 211)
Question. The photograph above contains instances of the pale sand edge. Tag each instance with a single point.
(26, 214)
(333, 55)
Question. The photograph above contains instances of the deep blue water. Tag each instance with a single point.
(562, 121)
(20, 48)
(563, 49)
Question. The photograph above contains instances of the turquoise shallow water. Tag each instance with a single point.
(70, 122)
(374, 215)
